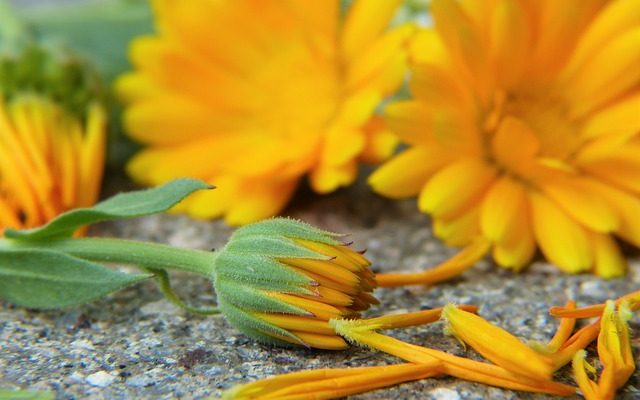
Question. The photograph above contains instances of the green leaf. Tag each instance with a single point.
(48, 279)
(124, 205)
(26, 395)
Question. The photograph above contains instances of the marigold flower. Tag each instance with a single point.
(253, 95)
(280, 281)
(52, 138)
(614, 351)
(524, 130)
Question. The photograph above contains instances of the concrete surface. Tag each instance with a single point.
(136, 345)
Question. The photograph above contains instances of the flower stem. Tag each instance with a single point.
(142, 254)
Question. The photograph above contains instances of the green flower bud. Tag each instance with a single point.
(52, 73)
(280, 281)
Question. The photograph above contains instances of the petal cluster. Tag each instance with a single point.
(280, 281)
(52, 139)
(523, 129)
(254, 95)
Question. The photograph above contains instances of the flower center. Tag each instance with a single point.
(542, 132)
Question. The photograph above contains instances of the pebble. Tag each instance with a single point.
(444, 394)
(100, 379)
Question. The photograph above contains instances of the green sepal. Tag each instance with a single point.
(252, 299)
(255, 327)
(259, 271)
(46, 279)
(271, 246)
(122, 206)
(290, 228)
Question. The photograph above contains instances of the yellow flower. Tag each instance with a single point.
(280, 281)
(524, 129)
(253, 95)
(614, 351)
(331, 383)
(52, 139)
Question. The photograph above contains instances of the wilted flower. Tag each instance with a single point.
(281, 280)
(254, 95)
(524, 129)
(362, 332)
(52, 138)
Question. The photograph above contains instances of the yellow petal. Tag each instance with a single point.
(502, 209)
(608, 74)
(609, 261)
(614, 349)
(448, 269)
(460, 230)
(626, 206)
(464, 42)
(510, 41)
(496, 344)
(406, 174)
(515, 145)
(327, 178)
(259, 201)
(365, 21)
(562, 240)
(92, 156)
(380, 142)
(620, 117)
(379, 60)
(456, 187)
(342, 146)
(577, 199)
(588, 387)
(617, 17)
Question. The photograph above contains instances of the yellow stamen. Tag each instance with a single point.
(451, 268)
(496, 344)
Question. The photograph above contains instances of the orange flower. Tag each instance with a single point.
(524, 130)
(253, 95)
(52, 138)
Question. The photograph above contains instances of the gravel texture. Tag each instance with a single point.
(136, 345)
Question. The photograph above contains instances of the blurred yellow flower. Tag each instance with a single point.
(524, 129)
(52, 137)
(252, 95)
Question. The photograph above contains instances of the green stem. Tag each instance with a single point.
(143, 254)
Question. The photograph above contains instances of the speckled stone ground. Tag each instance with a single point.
(135, 345)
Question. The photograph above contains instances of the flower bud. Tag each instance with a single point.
(281, 280)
